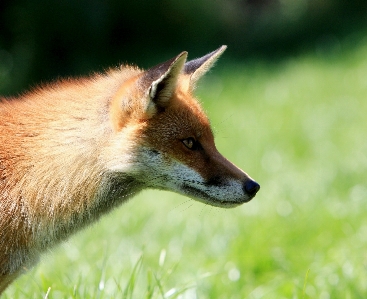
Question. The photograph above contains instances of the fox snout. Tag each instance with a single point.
(248, 186)
(238, 185)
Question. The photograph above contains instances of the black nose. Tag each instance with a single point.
(251, 187)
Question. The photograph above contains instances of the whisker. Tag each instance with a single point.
(187, 207)
(202, 209)
(182, 203)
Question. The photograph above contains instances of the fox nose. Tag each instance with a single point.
(251, 187)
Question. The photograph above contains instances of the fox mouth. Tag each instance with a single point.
(204, 197)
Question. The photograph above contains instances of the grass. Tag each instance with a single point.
(299, 128)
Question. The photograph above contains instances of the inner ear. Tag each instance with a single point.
(160, 82)
(161, 90)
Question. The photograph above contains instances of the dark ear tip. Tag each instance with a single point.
(193, 65)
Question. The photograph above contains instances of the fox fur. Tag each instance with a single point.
(73, 150)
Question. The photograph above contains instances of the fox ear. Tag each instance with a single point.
(198, 67)
(160, 82)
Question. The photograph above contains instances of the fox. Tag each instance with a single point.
(75, 149)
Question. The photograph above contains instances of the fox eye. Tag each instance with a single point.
(190, 143)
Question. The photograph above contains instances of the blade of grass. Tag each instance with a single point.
(150, 286)
(305, 283)
(159, 286)
(129, 289)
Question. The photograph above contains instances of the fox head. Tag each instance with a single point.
(168, 137)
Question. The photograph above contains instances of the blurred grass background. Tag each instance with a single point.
(292, 114)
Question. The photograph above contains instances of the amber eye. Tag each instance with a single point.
(190, 143)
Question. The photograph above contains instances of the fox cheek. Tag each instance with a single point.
(151, 163)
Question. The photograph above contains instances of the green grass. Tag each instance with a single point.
(298, 127)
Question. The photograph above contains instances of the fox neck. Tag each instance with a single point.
(112, 190)
(55, 223)
(75, 187)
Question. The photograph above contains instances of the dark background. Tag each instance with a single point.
(41, 40)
